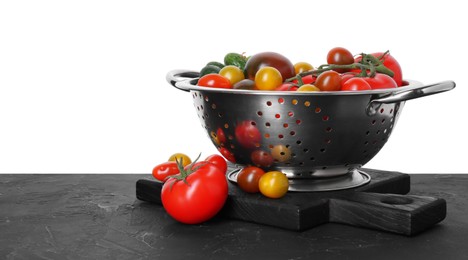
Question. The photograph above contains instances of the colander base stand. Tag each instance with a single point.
(380, 204)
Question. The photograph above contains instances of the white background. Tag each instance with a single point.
(83, 88)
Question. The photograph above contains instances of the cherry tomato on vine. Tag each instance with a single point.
(269, 59)
(391, 63)
(328, 81)
(268, 78)
(218, 161)
(233, 73)
(195, 197)
(183, 158)
(248, 179)
(380, 81)
(302, 67)
(354, 84)
(309, 79)
(340, 56)
(273, 184)
(162, 171)
(214, 81)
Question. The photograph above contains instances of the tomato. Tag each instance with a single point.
(248, 179)
(273, 184)
(232, 73)
(261, 158)
(245, 84)
(214, 81)
(162, 171)
(391, 63)
(345, 77)
(286, 87)
(269, 59)
(281, 153)
(180, 157)
(195, 197)
(308, 87)
(221, 136)
(268, 78)
(328, 81)
(354, 84)
(381, 81)
(302, 66)
(340, 56)
(218, 161)
(247, 134)
(309, 79)
(227, 154)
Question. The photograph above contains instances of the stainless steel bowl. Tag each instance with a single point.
(306, 135)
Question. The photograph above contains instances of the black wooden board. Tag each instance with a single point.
(381, 204)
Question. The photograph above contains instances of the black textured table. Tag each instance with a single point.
(97, 216)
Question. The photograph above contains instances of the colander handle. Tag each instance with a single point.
(175, 77)
(411, 94)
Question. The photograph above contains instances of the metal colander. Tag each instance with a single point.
(306, 135)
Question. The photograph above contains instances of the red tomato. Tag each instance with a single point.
(309, 79)
(381, 81)
(248, 178)
(214, 81)
(198, 197)
(340, 56)
(391, 63)
(261, 158)
(354, 84)
(286, 87)
(227, 154)
(221, 136)
(345, 77)
(269, 59)
(218, 161)
(162, 171)
(247, 134)
(328, 81)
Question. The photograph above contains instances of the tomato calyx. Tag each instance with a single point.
(184, 172)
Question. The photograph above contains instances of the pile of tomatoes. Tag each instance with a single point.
(274, 72)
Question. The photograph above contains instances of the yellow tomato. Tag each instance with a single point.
(268, 78)
(232, 73)
(308, 87)
(273, 184)
(281, 153)
(302, 67)
(184, 159)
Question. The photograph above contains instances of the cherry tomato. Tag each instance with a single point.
(221, 136)
(287, 87)
(273, 184)
(355, 84)
(227, 154)
(340, 56)
(345, 77)
(281, 153)
(308, 87)
(247, 134)
(232, 73)
(214, 81)
(302, 67)
(269, 59)
(245, 84)
(162, 171)
(218, 161)
(248, 178)
(197, 197)
(381, 81)
(309, 79)
(182, 158)
(261, 158)
(328, 81)
(391, 63)
(268, 78)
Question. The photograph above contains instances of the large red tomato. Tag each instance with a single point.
(269, 59)
(381, 81)
(195, 197)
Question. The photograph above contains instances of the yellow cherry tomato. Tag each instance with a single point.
(233, 73)
(308, 87)
(281, 153)
(268, 78)
(302, 67)
(273, 184)
(181, 158)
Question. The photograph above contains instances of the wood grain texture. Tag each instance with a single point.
(378, 205)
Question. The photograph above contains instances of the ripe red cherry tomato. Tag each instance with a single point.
(197, 198)
(248, 178)
(340, 56)
(227, 154)
(354, 84)
(261, 158)
(309, 79)
(391, 63)
(247, 134)
(162, 171)
(214, 81)
(286, 87)
(328, 81)
(218, 161)
(381, 81)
